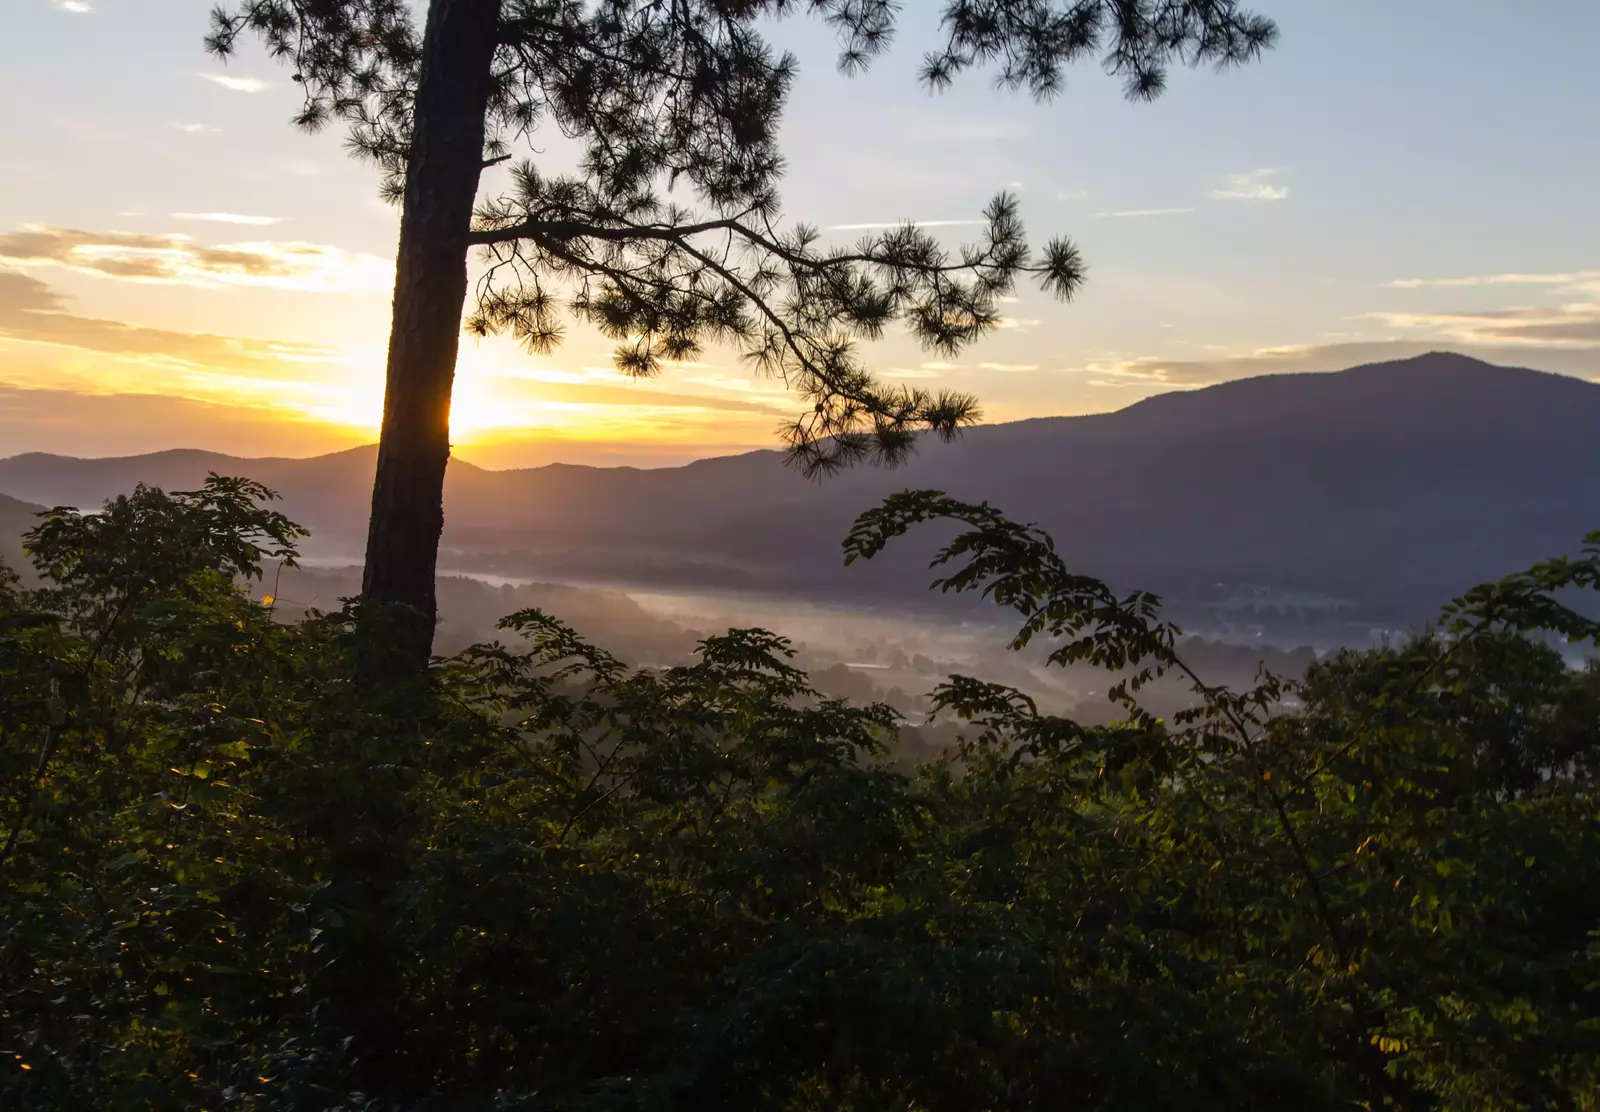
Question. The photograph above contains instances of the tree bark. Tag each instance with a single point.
(430, 286)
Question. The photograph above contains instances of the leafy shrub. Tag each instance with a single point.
(244, 867)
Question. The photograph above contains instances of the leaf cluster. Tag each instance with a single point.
(238, 873)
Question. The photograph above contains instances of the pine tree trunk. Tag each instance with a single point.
(430, 287)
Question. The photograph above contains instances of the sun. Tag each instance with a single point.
(498, 399)
(484, 402)
(481, 405)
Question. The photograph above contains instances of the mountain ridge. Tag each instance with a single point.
(1397, 482)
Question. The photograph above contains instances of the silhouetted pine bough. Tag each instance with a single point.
(533, 877)
(668, 235)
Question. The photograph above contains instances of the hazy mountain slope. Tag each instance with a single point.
(1374, 482)
(1384, 483)
(16, 518)
(332, 491)
(325, 490)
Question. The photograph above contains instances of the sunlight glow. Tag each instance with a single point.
(500, 398)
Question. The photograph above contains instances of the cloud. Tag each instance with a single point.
(1567, 326)
(1575, 331)
(1257, 185)
(228, 218)
(1152, 370)
(546, 446)
(1142, 212)
(1153, 373)
(1572, 324)
(1072, 195)
(605, 385)
(131, 423)
(1008, 367)
(86, 385)
(191, 129)
(1582, 281)
(22, 294)
(32, 312)
(47, 345)
(77, 7)
(1018, 323)
(876, 225)
(236, 84)
(179, 260)
(621, 393)
(94, 422)
(729, 385)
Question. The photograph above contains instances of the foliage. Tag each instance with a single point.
(668, 235)
(236, 874)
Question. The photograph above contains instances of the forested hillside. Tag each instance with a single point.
(242, 870)
(1393, 486)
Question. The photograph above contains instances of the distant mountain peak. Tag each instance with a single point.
(1404, 479)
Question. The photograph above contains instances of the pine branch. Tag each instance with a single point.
(687, 95)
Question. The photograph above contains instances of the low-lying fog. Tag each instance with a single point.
(849, 652)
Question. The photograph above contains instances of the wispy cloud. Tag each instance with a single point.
(190, 128)
(229, 218)
(1153, 373)
(33, 312)
(643, 394)
(881, 224)
(1174, 374)
(735, 385)
(1123, 213)
(1576, 326)
(179, 260)
(1072, 195)
(96, 418)
(1575, 323)
(1008, 367)
(77, 7)
(1572, 278)
(237, 84)
(1257, 185)
(148, 376)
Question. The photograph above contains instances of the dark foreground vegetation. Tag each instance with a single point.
(236, 870)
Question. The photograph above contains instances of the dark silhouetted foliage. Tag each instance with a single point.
(535, 877)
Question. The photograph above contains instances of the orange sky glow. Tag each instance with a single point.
(181, 268)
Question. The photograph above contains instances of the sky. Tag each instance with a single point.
(179, 267)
